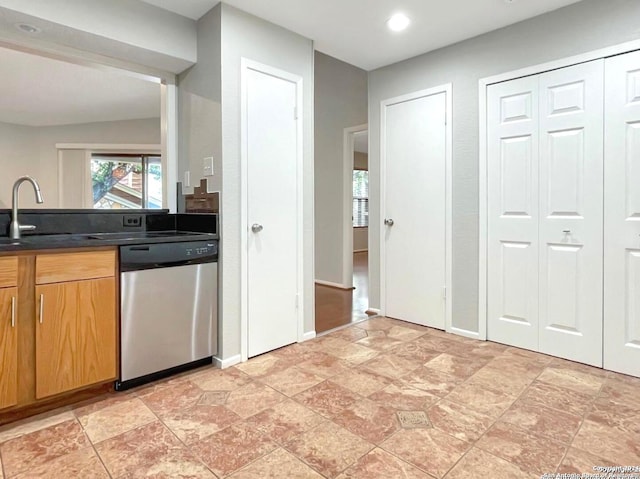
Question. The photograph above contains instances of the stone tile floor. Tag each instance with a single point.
(380, 399)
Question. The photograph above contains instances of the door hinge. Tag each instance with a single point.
(295, 112)
(444, 292)
(297, 301)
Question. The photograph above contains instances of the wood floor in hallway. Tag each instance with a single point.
(337, 307)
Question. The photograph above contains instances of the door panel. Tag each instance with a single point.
(272, 147)
(96, 332)
(8, 347)
(571, 212)
(512, 275)
(622, 218)
(415, 199)
(56, 339)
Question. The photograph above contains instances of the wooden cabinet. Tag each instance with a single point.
(65, 336)
(75, 335)
(8, 331)
(76, 326)
(8, 347)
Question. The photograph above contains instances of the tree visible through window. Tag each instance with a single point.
(126, 181)
(360, 198)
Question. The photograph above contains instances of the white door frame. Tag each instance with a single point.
(245, 66)
(347, 210)
(483, 83)
(447, 89)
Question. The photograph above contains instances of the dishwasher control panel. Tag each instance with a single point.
(162, 255)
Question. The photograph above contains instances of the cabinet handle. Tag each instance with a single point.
(13, 311)
(41, 306)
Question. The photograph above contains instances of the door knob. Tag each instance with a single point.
(256, 228)
(388, 222)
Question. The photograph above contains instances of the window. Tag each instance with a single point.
(126, 181)
(360, 198)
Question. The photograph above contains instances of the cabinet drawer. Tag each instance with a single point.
(8, 272)
(57, 268)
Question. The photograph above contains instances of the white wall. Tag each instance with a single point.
(340, 102)
(200, 107)
(247, 36)
(584, 26)
(121, 29)
(31, 151)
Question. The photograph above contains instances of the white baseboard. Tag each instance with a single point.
(373, 311)
(332, 285)
(464, 332)
(308, 335)
(228, 362)
(360, 250)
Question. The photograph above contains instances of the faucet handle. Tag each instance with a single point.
(27, 227)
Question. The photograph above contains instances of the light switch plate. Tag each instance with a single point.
(187, 179)
(207, 166)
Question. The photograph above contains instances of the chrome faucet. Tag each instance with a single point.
(15, 228)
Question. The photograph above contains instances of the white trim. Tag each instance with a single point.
(169, 135)
(246, 65)
(361, 250)
(108, 147)
(448, 90)
(227, 363)
(347, 208)
(309, 335)
(465, 333)
(333, 285)
(483, 83)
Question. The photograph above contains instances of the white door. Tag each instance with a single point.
(622, 219)
(512, 185)
(414, 196)
(571, 212)
(271, 142)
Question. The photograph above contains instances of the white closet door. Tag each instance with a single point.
(571, 212)
(512, 277)
(622, 219)
(272, 149)
(415, 199)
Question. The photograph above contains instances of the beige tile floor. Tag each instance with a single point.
(380, 399)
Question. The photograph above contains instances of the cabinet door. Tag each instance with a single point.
(96, 331)
(56, 343)
(8, 347)
(75, 335)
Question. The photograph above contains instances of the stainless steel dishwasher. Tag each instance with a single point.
(168, 309)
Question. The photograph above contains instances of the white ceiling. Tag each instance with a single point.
(354, 30)
(39, 91)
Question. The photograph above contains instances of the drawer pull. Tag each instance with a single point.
(41, 307)
(13, 311)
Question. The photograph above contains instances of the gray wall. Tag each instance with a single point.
(244, 35)
(200, 106)
(340, 102)
(579, 28)
(26, 150)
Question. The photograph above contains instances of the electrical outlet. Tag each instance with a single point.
(131, 220)
(207, 166)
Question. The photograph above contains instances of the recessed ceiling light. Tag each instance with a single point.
(398, 22)
(27, 28)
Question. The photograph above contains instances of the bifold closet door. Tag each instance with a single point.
(545, 213)
(512, 276)
(571, 212)
(622, 219)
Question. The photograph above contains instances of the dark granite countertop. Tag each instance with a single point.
(56, 229)
(53, 241)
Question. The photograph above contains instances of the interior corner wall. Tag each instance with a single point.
(340, 102)
(200, 107)
(26, 150)
(247, 36)
(581, 27)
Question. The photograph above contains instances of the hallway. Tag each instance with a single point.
(338, 307)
